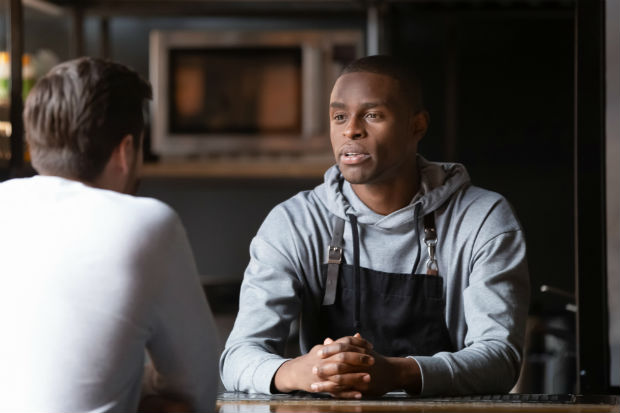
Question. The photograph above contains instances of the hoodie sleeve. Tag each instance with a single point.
(268, 303)
(495, 305)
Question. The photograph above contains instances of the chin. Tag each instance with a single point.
(354, 179)
(357, 174)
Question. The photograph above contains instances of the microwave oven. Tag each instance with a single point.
(244, 91)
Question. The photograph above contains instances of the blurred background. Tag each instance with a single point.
(499, 82)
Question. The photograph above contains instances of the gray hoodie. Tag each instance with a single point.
(480, 254)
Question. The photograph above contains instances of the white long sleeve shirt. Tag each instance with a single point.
(90, 279)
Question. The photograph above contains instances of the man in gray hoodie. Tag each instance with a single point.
(397, 271)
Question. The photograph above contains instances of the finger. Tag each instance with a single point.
(348, 381)
(347, 395)
(316, 348)
(325, 371)
(327, 387)
(343, 382)
(356, 340)
(340, 347)
(352, 358)
(328, 341)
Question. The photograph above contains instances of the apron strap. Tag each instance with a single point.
(430, 239)
(334, 258)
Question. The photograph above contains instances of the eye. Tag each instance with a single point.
(338, 117)
(372, 115)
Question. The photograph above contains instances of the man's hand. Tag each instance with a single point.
(348, 354)
(345, 376)
(343, 372)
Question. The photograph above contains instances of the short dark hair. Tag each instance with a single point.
(79, 112)
(394, 68)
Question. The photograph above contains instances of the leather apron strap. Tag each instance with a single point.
(334, 258)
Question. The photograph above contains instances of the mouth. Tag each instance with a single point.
(353, 158)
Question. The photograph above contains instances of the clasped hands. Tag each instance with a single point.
(348, 368)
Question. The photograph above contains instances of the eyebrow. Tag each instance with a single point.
(366, 105)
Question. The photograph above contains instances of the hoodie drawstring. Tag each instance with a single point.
(356, 269)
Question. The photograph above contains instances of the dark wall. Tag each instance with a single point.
(499, 88)
(222, 215)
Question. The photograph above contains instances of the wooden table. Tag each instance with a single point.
(399, 402)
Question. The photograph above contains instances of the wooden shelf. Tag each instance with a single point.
(263, 167)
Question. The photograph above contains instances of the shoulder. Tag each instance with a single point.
(14, 190)
(311, 207)
(482, 214)
(136, 219)
(147, 233)
(485, 205)
(302, 201)
(293, 229)
(471, 194)
(302, 210)
(142, 209)
(150, 210)
(86, 206)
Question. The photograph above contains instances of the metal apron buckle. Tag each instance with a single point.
(430, 239)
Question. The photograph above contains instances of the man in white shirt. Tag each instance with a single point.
(91, 275)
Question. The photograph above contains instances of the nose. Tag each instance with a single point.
(353, 129)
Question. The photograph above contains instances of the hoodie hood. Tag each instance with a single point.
(438, 181)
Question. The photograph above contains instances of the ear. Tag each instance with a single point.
(125, 154)
(419, 125)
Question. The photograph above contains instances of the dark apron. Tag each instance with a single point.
(400, 314)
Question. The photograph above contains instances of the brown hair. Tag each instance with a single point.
(394, 68)
(79, 112)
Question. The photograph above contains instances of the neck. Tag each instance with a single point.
(387, 197)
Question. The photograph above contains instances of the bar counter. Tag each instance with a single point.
(230, 402)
